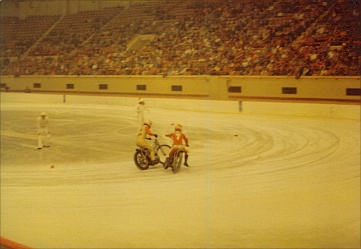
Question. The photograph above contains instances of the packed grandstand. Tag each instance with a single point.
(218, 37)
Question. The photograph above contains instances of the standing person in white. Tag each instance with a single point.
(43, 131)
(141, 108)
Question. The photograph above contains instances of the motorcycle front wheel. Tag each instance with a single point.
(178, 158)
(163, 152)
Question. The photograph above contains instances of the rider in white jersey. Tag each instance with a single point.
(43, 131)
(141, 136)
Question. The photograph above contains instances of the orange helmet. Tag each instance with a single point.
(178, 127)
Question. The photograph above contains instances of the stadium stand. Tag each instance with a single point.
(294, 38)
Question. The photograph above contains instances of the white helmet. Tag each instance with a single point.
(148, 122)
(178, 127)
(43, 114)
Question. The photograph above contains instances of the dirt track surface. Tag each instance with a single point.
(254, 181)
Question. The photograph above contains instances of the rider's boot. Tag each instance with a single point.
(156, 160)
(186, 160)
(168, 162)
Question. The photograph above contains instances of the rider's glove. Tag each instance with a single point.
(155, 135)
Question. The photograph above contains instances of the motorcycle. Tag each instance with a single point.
(174, 162)
(142, 155)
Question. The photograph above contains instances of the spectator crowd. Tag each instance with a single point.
(215, 37)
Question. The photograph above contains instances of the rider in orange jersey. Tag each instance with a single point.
(178, 137)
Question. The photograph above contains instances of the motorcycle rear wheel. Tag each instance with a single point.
(141, 160)
(163, 152)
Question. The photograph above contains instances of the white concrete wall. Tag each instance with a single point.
(263, 108)
(102, 100)
(30, 98)
(303, 109)
(196, 87)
